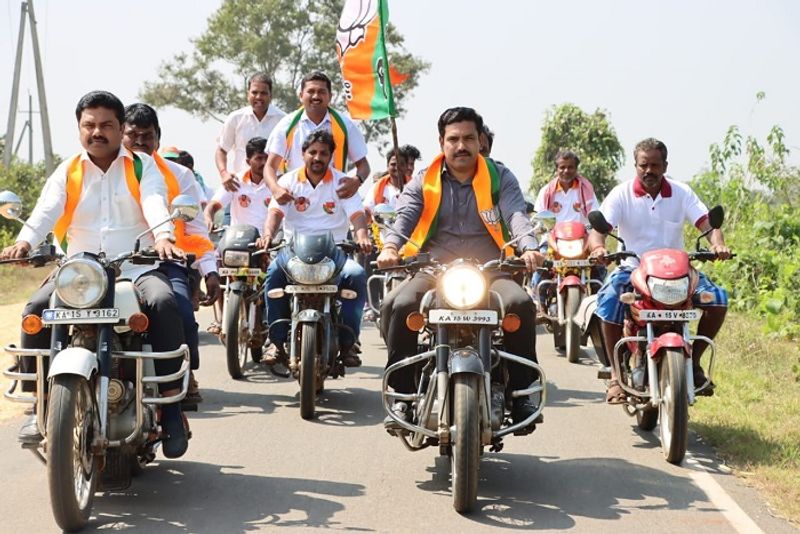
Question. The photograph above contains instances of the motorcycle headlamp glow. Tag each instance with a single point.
(463, 286)
(81, 283)
(569, 248)
(236, 258)
(669, 292)
(311, 273)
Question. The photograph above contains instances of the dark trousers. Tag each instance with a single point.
(402, 342)
(158, 303)
(179, 279)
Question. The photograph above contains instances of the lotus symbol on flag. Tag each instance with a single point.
(353, 23)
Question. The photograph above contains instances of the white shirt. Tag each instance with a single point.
(356, 146)
(316, 209)
(241, 126)
(107, 217)
(188, 185)
(390, 196)
(566, 204)
(250, 202)
(647, 223)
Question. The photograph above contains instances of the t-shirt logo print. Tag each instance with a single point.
(301, 203)
(556, 207)
(329, 207)
(244, 201)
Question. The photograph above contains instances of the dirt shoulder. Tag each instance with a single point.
(10, 315)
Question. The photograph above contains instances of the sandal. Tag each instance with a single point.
(615, 394)
(214, 328)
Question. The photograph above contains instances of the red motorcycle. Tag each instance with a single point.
(653, 359)
(566, 281)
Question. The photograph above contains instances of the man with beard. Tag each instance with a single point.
(650, 212)
(285, 142)
(468, 205)
(142, 133)
(89, 204)
(258, 119)
(316, 209)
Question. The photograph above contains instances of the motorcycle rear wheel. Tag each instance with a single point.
(572, 301)
(236, 345)
(466, 447)
(308, 370)
(674, 407)
(72, 468)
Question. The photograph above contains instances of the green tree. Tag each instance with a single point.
(285, 38)
(26, 181)
(590, 136)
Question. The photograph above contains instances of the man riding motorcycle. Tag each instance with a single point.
(316, 208)
(90, 205)
(452, 211)
(650, 212)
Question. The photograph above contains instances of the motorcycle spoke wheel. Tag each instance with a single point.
(572, 301)
(308, 370)
(674, 406)
(466, 446)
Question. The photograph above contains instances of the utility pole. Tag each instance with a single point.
(27, 10)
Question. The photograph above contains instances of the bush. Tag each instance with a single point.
(25, 180)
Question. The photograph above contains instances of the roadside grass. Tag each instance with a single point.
(17, 283)
(753, 420)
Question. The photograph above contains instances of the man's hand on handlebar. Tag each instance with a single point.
(599, 254)
(722, 251)
(167, 250)
(264, 241)
(388, 257)
(20, 249)
(364, 245)
(532, 259)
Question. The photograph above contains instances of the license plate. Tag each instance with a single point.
(96, 315)
(572, 263)
(239, 271)
(486, 317)
(312, 289)
(670, 315)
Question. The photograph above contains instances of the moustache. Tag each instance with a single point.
(463, 153)
(97, 139)
(649, 175)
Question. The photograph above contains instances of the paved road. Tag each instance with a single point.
(254, 465)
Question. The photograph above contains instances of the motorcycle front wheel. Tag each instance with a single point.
(72, 468)
(466, 448)
(236, 344)
(572, 301)
(308, 370)
(674, 407)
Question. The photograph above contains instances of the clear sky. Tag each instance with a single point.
(682, 71)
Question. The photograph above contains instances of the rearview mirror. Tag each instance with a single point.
(599, 222)
(10, 205)
(384, 214)
(546, 218)
(716, 216)
(184, 207)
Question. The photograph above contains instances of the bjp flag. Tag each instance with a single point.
(361, 48)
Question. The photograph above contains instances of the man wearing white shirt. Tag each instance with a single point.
(142, 133)
(256, 120)
(106, 217)
(650, 212)
(317, 209)
(284, 144)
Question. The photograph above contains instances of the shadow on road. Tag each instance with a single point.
(349, 407)
(558, 491)
(199, 497)
(566, 398)
(218, 403)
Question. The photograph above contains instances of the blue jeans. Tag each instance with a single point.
(352, 277)
(179, 278)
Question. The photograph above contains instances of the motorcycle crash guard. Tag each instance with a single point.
(73, 361)
(465, 361)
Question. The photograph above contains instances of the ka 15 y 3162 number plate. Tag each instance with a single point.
(670, 315)
(95, 315)
(239, 271)
(485, 317)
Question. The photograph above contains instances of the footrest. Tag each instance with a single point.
(604, 373)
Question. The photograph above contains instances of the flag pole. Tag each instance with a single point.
(394, 140)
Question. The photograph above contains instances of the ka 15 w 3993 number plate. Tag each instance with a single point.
(670, 315)
(486, 317)
(96, 315)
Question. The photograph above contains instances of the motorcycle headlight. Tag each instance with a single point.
(463, 286)
(236, 258)
(669, 292)
(311, 273)
(569, 248)
(81, 283)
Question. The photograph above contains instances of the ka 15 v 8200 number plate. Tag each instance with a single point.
(670, 315)
(484, 317)
(95, 315)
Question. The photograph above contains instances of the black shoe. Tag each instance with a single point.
(349, 356)
(401, 410)
(700, 379)
(174, 440)
(523, 408)
(29, 433)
